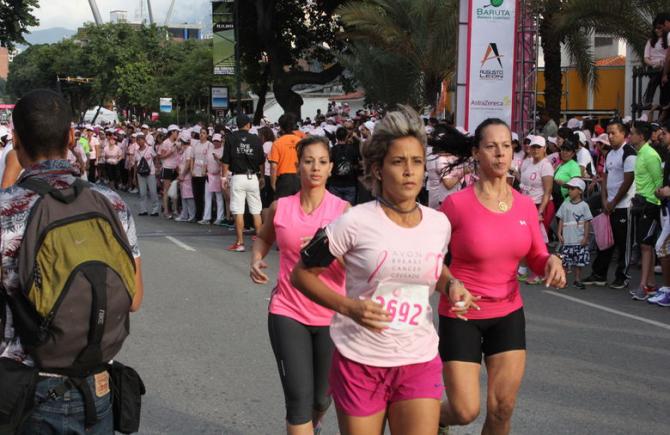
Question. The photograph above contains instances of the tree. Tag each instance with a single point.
(571, 22)
(15, 18)
(422, 33)
(388, 79)
(285, 35)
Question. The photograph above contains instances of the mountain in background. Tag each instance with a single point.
(48, 36)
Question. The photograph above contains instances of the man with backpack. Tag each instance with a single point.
(70, 275)
(146, 176)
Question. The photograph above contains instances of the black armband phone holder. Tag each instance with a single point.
(317, 253)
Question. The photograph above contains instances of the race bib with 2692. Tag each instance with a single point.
(406, 303)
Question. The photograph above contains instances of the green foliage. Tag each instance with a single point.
(280, 36)
(15, 18)
(401, 50)
(131, 66)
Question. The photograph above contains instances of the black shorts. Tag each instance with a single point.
(168, 174)
(467, 341)
(646, 225)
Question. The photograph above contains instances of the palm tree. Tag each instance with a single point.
(571, 22)
(421, 33)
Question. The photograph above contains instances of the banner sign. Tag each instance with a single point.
(219, 97)
(490, 61)
(223, 27)
(165, 105)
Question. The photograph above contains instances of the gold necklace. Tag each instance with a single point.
(502, 204)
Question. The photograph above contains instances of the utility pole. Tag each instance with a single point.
(238, 69)
(151, 12)
(96, 12)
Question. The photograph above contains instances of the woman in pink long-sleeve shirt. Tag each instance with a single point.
(493, 228)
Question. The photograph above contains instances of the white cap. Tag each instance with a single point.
(515, 137)
(582, 137)
(217, 137)
(576, 182)
(643, 118)
(185, 136)
(603, 139)
(144, 126)
(370, 126)
(626, 119)
(538, 141)
(3, 131)
(574, 123)
(88, 127)
(172, 128)
(552, 139)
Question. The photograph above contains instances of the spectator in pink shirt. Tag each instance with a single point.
(493, 228)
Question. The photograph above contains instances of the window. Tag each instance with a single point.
(603, 41)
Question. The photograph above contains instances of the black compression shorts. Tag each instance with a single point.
(462, 340)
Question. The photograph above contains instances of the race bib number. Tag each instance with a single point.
(406, 303)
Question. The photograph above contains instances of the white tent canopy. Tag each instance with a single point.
(104, 117)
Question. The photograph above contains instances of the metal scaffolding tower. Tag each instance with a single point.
(523, 118)
(96, 12)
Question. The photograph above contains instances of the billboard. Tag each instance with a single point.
(165, 105)
(488, 58)
(223, 27)
(219, 97)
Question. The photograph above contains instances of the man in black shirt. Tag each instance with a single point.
(345, 157)
(243, 156)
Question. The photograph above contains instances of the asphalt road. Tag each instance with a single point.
(200, 343)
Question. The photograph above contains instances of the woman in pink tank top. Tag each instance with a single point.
(298, 327)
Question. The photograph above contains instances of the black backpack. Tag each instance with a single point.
(143, 168)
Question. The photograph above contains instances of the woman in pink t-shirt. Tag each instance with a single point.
(168, 153)
(493, 228)
(386, 364)
(298, 327)
(185, 170)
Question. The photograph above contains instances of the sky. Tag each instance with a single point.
(71, 14)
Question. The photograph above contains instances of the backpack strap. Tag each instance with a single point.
(96, 274)
(42, 188)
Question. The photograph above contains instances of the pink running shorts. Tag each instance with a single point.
(361, 390)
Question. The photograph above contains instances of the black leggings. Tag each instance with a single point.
(198, 184)
(304, 354)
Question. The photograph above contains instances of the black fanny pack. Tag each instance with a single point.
(17, 394)
(127, 392)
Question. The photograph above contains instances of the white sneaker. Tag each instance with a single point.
(218, 222)
(203, 222)
(658, 270)
(660, 295)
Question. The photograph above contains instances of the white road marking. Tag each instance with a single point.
(180, 244)
(609, 310)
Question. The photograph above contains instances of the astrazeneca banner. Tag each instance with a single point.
(491, 42)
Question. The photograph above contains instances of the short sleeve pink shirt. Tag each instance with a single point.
(291, 225)
(379, 254)
(172, 161)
